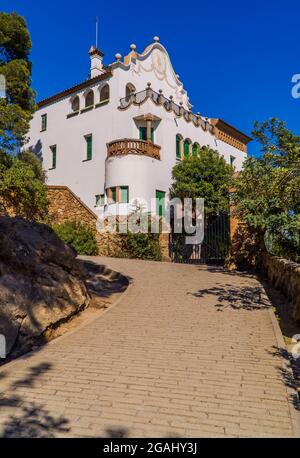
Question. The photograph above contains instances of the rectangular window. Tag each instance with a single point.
(160, 203)
(100, 200)
(143, 133)
(44, 122)
(232, 161)
(124, 195)
(53, 151)
(178, 147)
(89, 147)
(111, 195)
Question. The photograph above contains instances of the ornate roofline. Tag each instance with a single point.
(216, 127)
(134, 56)
(72, 90)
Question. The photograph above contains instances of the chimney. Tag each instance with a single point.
(96, 62)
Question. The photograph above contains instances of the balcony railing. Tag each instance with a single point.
(131, 146)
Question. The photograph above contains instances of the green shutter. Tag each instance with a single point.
(186, 149)
(124, 195)
(143, 133)
(113, 195)
(195, 149)
(152, 134)
(160, 203)
(53, 151)
(89, 147)
(178, 141)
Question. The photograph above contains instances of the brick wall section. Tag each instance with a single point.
(284, 275)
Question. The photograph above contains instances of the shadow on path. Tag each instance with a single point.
(290, 374)
(236, 297)
(31, 418)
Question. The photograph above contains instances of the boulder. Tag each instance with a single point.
(41, 282)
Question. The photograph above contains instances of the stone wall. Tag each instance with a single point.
(64, 205)
(285, 276)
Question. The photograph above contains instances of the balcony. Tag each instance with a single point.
(131, 146)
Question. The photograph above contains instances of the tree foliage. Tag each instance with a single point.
(23, 191)
(80, 237)
(204, 176)
(17, 107)
(267, 195)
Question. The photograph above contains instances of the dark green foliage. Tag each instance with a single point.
(80, 237)
(267, 196)
(23, 191)
(17, 108)
(141, 246)
(204, 176)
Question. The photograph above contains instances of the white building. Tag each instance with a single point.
(117, 136)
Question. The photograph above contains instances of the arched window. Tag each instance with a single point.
(75, 103)
(89, 99)
(130, 88)
(196, 149)
(187, 147)
(178, 146)
(104, 93)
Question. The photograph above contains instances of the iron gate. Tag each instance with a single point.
(214, 248)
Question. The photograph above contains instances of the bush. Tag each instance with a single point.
(141, 246)
(80, 237)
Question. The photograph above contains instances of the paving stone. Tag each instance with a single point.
(163, 362)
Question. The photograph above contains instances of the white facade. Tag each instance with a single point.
(115, 119)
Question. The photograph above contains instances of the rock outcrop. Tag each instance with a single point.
(41, 283)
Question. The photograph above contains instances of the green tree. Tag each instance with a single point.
(17, 107)
(206, 175)
(23, 191)
(267, 195)
(79, 236)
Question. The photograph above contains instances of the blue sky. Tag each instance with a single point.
(235, 58)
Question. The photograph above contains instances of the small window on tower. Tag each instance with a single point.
(44, 122)
(124, 195)
(104, 93)
(89, 99)
(89, 147)
(53, 159)
(75, 104)
(100, 200)
(232, 161)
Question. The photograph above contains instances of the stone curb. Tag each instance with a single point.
(295, 415)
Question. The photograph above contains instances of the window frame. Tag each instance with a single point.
(86, 98)
(120, 194)
(44, 122)
(107, 99)
(89, 154)
(160, 209)
(100, 200)
(179, 139)
(53, 149)
(145, 131)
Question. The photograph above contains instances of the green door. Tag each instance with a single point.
(143, 133)
(160, 203)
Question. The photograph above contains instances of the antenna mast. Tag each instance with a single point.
(97, 31)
